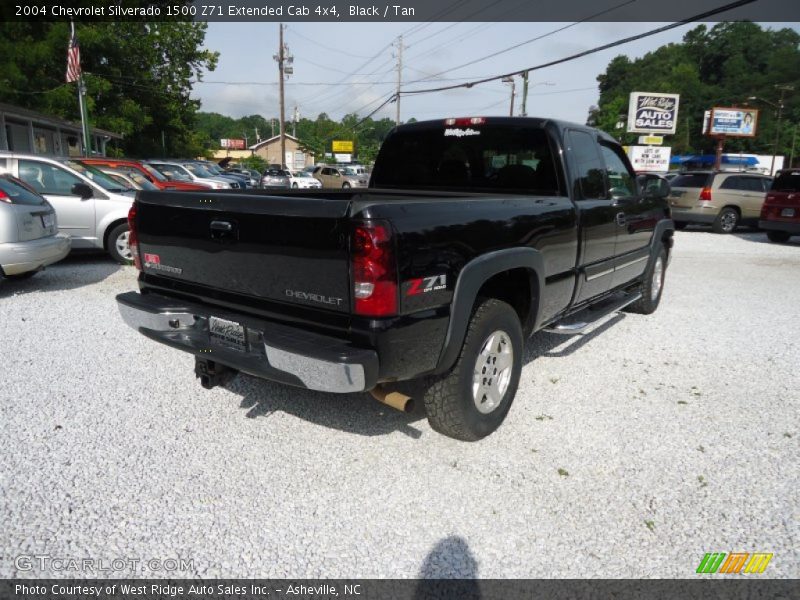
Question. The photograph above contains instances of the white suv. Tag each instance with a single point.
(91, 207)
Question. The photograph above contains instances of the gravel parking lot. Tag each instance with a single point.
(629, 452)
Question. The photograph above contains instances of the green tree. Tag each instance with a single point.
(138, 77)
(724, 65)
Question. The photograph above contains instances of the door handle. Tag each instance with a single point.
(620, 219)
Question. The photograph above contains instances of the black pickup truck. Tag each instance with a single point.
(473, 234)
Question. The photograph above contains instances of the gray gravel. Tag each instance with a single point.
(629, 452)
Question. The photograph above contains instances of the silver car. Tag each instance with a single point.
(92, 208)
(194, 173)
(29, 238)
(275, 178)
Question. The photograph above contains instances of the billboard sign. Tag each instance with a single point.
(232, 144)
(649, 158)
(737, 122)
(654, 113)
(343, 146)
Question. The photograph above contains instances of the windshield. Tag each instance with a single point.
(156, 174)
(214, 169)
(349, 171)
(97, 176)
(690, 180)
(198, 170)
(476, 158)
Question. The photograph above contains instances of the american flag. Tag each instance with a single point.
(73, 57)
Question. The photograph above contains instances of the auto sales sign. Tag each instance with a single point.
(650, 112)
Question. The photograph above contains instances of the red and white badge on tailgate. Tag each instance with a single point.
(152, 259)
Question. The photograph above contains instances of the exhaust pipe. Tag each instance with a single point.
(396, 400)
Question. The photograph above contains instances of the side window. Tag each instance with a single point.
(733, 183)
(588, 164)
(754, 184)
(621, 181)
(46, 178)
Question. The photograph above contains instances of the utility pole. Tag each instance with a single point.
(783, 89)
(399, 76)
(258, 137)
(272, 124)
(791, 154)
(244, 133)
(280, 57)
(513, 93)
(295, 117)
(524, 94)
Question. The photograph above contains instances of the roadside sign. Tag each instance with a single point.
(652, 140)
(232, 144)
(342, 146)
(652, 113)
(737, 122)
(343, 157)
(649, 158)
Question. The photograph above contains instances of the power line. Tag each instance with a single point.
(534, 39)
(559, 61)
(321, 45)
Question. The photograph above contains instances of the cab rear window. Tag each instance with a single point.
(16, 193)
(477, 158)
(787, 181)
(690, 180)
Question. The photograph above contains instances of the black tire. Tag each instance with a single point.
(449, 400)
(22, 276)
(650, 299)
(115, 238)
(345, 186)
(779, 237)
(726, 221)
(680, 225)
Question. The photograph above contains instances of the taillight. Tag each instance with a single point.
(133, 238)
(374, 272)
(4, 197)
(705, 194)
(463, 121)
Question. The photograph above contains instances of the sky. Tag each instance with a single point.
(361, 59)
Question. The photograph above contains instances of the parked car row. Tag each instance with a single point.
(727, 199)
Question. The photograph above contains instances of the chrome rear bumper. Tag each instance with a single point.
(271, 350)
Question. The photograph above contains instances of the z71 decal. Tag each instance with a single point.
(423, 285)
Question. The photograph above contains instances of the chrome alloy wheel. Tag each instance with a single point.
(492, 372)
(123, 246)
(728, 221)
(658, 279)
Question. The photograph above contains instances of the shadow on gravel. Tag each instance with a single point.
(360, 413)
(760, 237)
(76, 270)
(451, 560)
(555, 345)
(352, 413)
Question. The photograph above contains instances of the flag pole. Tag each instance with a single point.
(87, 139)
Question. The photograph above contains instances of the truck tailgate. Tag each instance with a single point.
(292, 250)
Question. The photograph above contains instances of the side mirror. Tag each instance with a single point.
(653, 186)
(83, 190)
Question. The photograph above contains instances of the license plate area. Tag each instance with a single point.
(228, 334)
(787, 212)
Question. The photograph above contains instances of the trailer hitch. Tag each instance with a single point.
(211, 373)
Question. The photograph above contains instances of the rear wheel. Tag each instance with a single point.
(118, 246)
(778, 236)
(726, 221)
(473, 399)
(652, 286)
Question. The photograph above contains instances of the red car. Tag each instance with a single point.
(147, 171)
(780, 214)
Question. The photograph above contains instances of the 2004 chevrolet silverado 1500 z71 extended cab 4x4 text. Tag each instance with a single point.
(474, 233)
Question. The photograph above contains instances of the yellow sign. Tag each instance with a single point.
(342, 146)
(655, 140)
